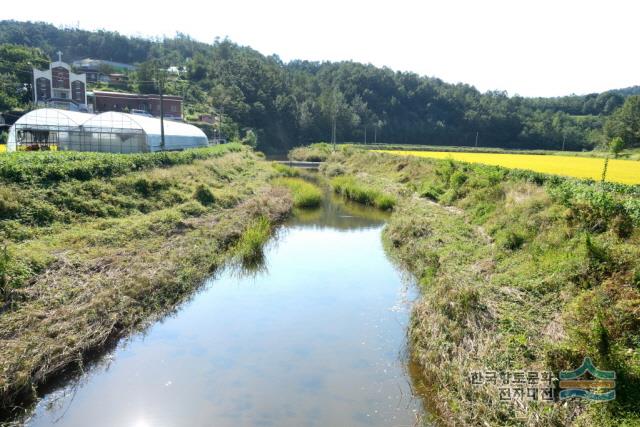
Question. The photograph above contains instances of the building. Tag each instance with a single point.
(60, 87)
(110, 132)
(96, 69)
(124, 102)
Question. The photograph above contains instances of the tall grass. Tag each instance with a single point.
(249, 247)
(285, 170)
(305, 194)
(348, 187)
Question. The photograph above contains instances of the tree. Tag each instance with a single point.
(250, 139)
(16, 63)
(616, 145)
(145, 77)
(625, 122)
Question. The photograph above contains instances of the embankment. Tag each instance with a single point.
(98, 244)
(518, 271)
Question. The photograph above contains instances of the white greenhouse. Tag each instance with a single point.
(109, 132)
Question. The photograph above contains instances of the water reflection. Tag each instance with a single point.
(341, 214)
(314, 335)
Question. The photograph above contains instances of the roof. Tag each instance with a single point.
(150, 125)
(111, 94)
(47, 117)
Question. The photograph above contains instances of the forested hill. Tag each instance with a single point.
(289, 104)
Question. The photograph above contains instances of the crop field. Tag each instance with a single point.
(622, 171)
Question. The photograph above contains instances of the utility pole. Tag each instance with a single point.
(477, 139)
(564, 138)
(335, 113)
(365, 135)
(375, 134)
(161, 88)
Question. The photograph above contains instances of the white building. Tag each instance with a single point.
(60, 87)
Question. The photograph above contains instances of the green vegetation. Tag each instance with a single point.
(518, 271)
(352, 189)
(249, 247)
(313, 153)
(285, 170)
(284, 104)
(305, 194)
(112, 241)
(48, 167)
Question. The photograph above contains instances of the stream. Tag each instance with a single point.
(314, 336)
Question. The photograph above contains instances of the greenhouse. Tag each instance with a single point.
(111, 132)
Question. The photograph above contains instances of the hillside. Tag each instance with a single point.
(290, 104)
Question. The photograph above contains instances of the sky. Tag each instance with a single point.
(529, 48)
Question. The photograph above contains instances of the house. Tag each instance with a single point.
(60, 87)
(95, 68)
(123, 102)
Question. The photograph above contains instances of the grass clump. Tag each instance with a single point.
(319, 152)
(285, 170)
(305, 194)
(249, 247)
(349, 187)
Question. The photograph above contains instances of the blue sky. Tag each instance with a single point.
(531, 48)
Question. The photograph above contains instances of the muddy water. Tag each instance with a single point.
(315, 336)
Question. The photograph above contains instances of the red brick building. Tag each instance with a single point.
(123, 102)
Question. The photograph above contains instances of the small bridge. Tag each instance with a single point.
(300, 164)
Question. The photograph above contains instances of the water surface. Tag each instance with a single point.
(315, 337)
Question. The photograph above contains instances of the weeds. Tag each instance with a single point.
(350, 188)
(249, 247)
(305, 194)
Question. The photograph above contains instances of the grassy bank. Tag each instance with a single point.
(518, 271)
(94, 253)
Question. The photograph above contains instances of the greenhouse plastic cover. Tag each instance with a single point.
(177, 135)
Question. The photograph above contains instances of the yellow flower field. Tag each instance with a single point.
(623, 171)
(3, 148)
